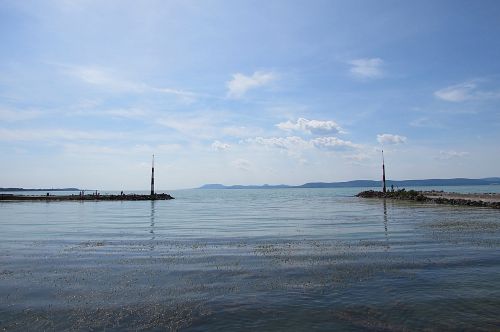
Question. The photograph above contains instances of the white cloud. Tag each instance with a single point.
(241, 131)
(390, 139)
(367, 68)
(82, 149)
(286, 143)
(104, 78)
(425, 122)
(316, 127)
(85, 104)
(130, 113)
(186, 97)
(446, 155)
(86, 149)
(240, 84)
(456, 93)
(219, 146)
(463, 92)
(108, 79)
(10, 115)
(206, 124)
(201, 127)
(56, 134)
(358, 157)
(333, 143)
(241, 164)
(294, 145)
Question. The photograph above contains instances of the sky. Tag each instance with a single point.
(246, 92)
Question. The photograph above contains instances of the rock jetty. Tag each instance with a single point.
(437, 197)
(90, 197)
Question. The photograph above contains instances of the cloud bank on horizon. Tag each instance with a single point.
(222, 92)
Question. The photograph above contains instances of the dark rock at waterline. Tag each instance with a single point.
(398, 194)
(441, 198)
(91, 197)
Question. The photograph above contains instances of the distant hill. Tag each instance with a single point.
(369, 183)
(31, 189)
(265, 186)
(354, 183)
(404, 183)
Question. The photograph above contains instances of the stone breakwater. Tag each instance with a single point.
(92, 197)
(438, 197)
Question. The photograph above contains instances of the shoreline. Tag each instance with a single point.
(82, 198)
(438, 197)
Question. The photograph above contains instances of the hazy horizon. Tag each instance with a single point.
(292, 186)
(246, 92)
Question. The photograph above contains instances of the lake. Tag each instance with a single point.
(287, 259)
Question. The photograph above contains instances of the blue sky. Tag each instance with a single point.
(246, 92)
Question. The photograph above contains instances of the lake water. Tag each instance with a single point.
(289, 259)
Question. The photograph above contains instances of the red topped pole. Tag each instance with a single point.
(384, 189)
(153, 177)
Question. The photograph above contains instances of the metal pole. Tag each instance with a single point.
(384, 189)
(153, 177)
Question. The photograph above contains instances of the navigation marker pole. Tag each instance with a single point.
(153, 178)
(384, 189)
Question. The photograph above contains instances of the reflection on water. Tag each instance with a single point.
(152, 229)
(249, 259)
(385, 224)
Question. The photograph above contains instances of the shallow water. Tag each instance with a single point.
(249, 259)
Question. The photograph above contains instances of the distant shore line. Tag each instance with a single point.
(47, 190)
(437, 197)
(368, 184)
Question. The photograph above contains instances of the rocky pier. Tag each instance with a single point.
(83, 198)
(491, 200)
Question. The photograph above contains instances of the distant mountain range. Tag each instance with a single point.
(30, 189)
(369, 183)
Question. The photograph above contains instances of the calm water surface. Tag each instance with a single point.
(294, 259)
